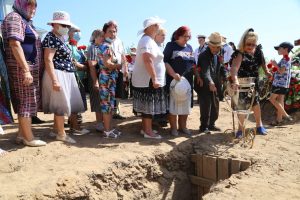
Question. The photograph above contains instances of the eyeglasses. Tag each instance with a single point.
(186, 36)
(65, 26)
(250, 44)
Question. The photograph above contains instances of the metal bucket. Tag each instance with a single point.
(243, 98)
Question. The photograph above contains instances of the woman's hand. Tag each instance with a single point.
(155, 83)
(235, 86)
(274, 63)
(56, 86)
(177, 77)
(28, 79)
(96, 85)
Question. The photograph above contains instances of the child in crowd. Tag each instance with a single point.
(281, 82)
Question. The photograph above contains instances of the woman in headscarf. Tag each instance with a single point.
(24, 62)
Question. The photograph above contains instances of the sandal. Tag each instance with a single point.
(110, 134)
(276, 123)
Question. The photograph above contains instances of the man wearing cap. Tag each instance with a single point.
(281, 82)
(201, 48)
(210, 74)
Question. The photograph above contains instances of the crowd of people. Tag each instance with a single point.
(52, 75)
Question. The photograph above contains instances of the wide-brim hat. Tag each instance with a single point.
(215, 39)
(62, 17)
(182, 89)
(151, 21)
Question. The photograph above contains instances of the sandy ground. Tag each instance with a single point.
(136, 168)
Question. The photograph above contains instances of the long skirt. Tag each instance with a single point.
(150, 101)
(66, 101)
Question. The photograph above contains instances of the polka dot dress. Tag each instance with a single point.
(62, 59)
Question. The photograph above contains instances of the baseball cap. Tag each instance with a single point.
(287, 45)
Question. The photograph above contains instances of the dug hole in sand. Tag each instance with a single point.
(132, 167)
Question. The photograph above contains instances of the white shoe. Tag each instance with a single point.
(156, 136)
(142, 132)
(79, 132)
(34, 143)
(100, 127)
(1, 131)
(65, 138)
(20, 139)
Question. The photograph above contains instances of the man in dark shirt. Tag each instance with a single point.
(210, 73)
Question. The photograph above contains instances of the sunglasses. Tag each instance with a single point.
(250, 44)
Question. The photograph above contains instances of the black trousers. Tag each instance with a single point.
(209, 108)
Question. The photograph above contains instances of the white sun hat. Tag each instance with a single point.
(182, 89)
(62, 17)
(151, 21)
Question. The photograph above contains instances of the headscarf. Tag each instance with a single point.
(20, 6)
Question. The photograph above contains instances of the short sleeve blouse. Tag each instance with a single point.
(62, 58)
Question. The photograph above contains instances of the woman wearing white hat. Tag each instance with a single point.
(148, 78)
(61, 94)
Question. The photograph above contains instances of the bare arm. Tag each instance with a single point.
(107, 62)
(49, 67)
(148, 60)
(235, 66)
(79, 66)
(171, 72)
(92, 66)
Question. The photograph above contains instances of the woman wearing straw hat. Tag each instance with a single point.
(23, 58)
(148, 78)
(60, 88)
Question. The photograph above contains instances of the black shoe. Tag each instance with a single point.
(36, 120)
(118, 116)
(204, 130)
(214, 128)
